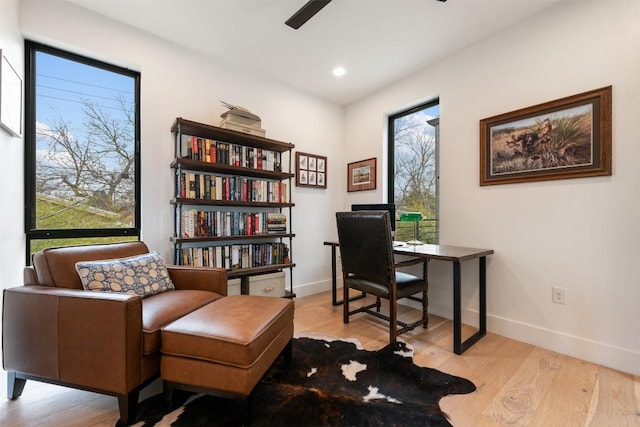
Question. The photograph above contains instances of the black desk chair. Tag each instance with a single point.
(366, 248)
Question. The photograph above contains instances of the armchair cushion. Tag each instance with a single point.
(142, 275)
(163, 308)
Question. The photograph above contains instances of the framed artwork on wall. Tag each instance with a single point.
(361, 175)
(10, 98)
(565, 138)
(311, 170)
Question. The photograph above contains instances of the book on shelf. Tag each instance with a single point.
(181, 190)
(235, 257)
(207, 150)
(190, 182)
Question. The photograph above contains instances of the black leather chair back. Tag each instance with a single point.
(366, 245)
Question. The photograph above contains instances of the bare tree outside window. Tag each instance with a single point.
(93, 167)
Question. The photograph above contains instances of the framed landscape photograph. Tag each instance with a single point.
(10, 98)
(311, 170)
(566, 138)
(361, 175)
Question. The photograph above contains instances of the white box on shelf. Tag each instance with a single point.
(270, 285)
(233, 287)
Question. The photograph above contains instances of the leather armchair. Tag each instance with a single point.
(56, 332)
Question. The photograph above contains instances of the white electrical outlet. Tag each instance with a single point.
(558, 295)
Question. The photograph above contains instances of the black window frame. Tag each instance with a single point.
(31, 232)
(391, 153)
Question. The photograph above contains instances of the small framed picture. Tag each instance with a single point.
(361, 175)
(311, 170)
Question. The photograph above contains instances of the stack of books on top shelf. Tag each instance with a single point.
(242, 120)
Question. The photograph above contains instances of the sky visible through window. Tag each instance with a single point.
(63, 86)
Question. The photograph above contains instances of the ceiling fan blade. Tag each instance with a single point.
(306, 12)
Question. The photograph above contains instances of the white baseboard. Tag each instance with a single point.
(596, 352)
(592, 351)
(313, 288)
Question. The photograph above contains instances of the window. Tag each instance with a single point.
(413, 169)
(82, 154)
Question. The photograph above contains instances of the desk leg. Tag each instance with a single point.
(483, 295)
(334, 281)
(457, 309)
(460, 347)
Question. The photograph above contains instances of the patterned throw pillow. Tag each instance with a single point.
(142, 275)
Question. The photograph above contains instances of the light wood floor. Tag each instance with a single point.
(518, 384)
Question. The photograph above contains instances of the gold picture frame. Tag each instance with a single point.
(361, 175)
(565, 138)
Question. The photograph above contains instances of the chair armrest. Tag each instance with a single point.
(91, 339)
(199, 278)
(412, 261)
(29, 276)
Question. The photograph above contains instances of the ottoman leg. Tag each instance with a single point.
(167, 394)
(287, 353)
(245, 409)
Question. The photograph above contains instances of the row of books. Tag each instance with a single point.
(211, 151)
(199, 223)
(222, 187)
(235, 257)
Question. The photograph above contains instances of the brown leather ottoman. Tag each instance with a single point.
(225, 347)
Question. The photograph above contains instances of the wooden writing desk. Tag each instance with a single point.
(453, 254)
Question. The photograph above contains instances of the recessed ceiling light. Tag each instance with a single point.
(339, 71)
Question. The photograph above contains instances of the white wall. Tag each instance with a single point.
(580, 234)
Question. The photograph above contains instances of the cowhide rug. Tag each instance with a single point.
(329, 383)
